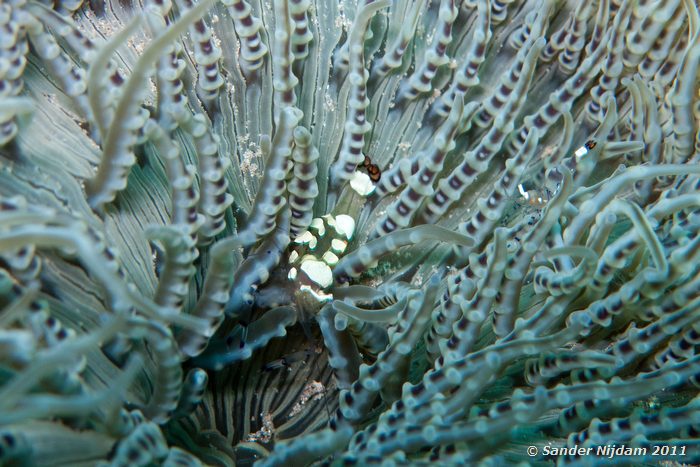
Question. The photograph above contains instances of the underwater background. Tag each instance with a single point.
(349, 232)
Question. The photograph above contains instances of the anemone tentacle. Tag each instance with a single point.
(349, 232)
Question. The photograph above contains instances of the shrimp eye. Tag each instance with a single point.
(590, 144)
(374, 173)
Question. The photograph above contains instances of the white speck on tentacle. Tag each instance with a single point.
(580, 152)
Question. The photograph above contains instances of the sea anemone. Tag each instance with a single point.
(355, 232)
